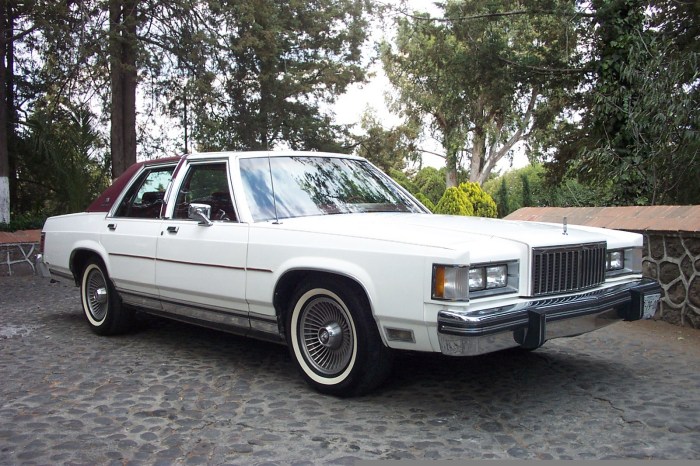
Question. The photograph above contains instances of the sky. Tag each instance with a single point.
(350, 107)
(371, 96)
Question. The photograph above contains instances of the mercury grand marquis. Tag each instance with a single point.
(328, 255)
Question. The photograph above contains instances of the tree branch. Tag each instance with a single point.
(543, 70)
(494, 15)
(493, 159)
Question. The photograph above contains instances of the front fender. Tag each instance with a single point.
(262, 284)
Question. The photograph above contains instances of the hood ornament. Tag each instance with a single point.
(565, 228)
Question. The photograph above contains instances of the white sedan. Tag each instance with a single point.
(328, 255)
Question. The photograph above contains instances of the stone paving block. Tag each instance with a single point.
(168, 393)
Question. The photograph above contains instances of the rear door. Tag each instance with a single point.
(131, 233)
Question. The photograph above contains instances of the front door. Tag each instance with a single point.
(201, 269)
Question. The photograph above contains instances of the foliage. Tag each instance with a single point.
(430, 182)
(466, 199)
(510, 191)
(388, 149)
(502, 199)
(425, 201)
(276, 65)
(640, 126)
(483, 78)
(482, 202)
(229, 75)
(402, 179)
(527, 195)
(24, 222)
(62, 169)
(454, 202)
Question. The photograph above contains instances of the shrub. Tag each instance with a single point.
(467, 199)
(483, 204)
(454, 202)
(425, 201)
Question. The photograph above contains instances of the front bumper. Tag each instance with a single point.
(530, 324)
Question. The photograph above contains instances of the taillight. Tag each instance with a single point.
(41, 243)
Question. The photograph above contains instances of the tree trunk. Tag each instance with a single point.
(122, 24)
(484, 159)
(478, 154)
(4, 152)
(451, 168)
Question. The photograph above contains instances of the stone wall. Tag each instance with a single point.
(18, 258)
(674, 260)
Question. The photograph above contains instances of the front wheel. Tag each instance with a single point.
(334, 340)
(101, 304)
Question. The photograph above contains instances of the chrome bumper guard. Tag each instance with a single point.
(530, 324)
(41, 266)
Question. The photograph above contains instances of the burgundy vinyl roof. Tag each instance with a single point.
(104, 201)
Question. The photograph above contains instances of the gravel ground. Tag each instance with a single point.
(168, 393)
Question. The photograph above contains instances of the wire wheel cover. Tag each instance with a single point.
(328, 335)
(96, 295)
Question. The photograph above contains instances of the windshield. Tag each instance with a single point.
(306, 186)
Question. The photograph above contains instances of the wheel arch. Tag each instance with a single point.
(290, 280)
(79, 259)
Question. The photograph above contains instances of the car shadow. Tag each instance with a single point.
(509, 376)
(513, 374)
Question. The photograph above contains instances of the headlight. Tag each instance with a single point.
(488, 277)
(450, 282)
(459, 282)
(477, 279)
(496, 276)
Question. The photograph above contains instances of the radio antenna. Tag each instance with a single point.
(272, 185)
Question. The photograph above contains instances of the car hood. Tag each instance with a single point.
(447, 231)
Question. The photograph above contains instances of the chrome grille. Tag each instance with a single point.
(568, 268)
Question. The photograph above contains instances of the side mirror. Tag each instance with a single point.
(201, 213)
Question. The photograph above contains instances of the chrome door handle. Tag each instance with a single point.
(112, 226)
(173, 229)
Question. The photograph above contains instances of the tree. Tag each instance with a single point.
(387, 148)
(530, 186)
(527, 195)
(502, 199)
(279, 63)
(640, 128)
(237, 74)
(426, 202)
(18, 22)
(123, 45)
(39, 58)
(59, 170)
(4, 153)
(482, 202)
(431, 183)
(484, 78)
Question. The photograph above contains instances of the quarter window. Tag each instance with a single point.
(145, 198)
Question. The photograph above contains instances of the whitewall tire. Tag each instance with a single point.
(102, 306)
(334, 341)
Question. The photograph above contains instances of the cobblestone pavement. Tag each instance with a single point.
(174, 394)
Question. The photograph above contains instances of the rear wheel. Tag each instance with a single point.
(101, 304)
(334, 340)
